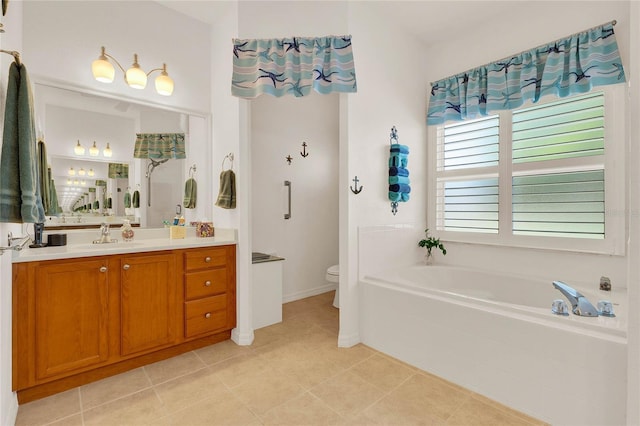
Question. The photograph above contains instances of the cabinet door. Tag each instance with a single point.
(148, 302)
(71, 316)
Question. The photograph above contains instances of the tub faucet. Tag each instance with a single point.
(581, 306)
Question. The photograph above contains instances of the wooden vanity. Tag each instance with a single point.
(80, 319)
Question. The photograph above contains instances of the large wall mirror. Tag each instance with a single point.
(94, 185)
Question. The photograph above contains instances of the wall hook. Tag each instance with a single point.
(394, 207)
(304, 152)
(289, 159)
(356, 190)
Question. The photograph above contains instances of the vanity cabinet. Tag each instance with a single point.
(82, 319)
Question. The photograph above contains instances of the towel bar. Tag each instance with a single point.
(17, 247)
(288, 185)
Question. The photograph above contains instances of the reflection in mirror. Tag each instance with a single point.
(90, 144)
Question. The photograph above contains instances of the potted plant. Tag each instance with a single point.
(429, 243)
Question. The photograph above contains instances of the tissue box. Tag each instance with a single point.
(177, 232)
(204, 229)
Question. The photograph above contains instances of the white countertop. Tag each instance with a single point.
(79, 243)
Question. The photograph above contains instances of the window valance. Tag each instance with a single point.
(564, 67)
(159, 146)
(292, 66)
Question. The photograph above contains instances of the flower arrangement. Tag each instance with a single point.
(430, 242)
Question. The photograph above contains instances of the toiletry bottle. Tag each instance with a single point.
(127, 230)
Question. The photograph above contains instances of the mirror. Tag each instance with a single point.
(92, 185)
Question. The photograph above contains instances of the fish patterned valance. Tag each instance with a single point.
(292, 66)
(159, 145)
(564, 67)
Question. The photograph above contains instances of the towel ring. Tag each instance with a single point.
(230, 158)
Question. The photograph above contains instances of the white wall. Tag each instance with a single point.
(309, 239)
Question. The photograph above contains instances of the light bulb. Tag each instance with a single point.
(81, 172)
(102, 69)
(94, 151)
(164, 83)
(135, 77)
(72, 172)
(107, 151)
(78, 149)
(91, 172)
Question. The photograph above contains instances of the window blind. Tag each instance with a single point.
(471, 144)
(470, 205)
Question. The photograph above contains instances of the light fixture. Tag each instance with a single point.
(71, 171)
(78, 149)
(107, 151)
(94, 151)
(81, 172)
(135, 77)
(75, 181)
(83, 182)
(69, 181)
(91, 172)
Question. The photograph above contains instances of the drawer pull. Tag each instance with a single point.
(207, 283)
(207, 315)
(126, 266)
(103, 269)
(207, 259)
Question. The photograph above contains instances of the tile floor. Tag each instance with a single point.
(293, 374)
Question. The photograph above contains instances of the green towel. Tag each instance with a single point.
(20, 199)
(44, 177)
(190, 193)
(227, 194)
(127, 200)
(136, 199)
(55, 206)
(109, 203)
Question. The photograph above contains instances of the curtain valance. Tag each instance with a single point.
(292, 66)
(159, 145)
(564, 67)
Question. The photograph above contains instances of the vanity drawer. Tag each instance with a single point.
(205, 315)
(205, 258)
(205, 283)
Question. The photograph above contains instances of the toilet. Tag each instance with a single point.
(333, 276)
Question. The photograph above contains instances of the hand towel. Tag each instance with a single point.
(109, 203)
(396, 147)
(127, 200)
(20, 199)
(43, 177)
(190, 193)
(400, 187)
(55, 206)
(227, 194)
(136, 199)
(398, 171)
(398, 179)
(394, 196)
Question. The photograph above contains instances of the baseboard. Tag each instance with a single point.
(242, 339)
(11, 410)
(348, 340)
(286, 298)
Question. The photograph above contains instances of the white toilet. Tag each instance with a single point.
(333, 276)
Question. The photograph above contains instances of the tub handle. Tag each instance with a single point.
(559, 307)
(605, 308)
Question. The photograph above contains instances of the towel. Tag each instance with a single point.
(402, 149)
(400, 187)
(55, 206)
(109, 203)
(227, 194)
(190, 193)
(44, 177)
(398, 171)
(398, 179)
(20, 199)
(127, 200)
(136, 199)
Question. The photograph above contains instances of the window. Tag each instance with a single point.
(547, 175)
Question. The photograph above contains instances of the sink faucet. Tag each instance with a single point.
(581, 306)
(105, 236)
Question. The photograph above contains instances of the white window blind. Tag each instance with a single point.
(470, 206)
(471, 144)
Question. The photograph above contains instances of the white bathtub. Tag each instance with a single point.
(496, 335)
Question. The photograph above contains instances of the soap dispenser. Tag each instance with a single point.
(127, 230)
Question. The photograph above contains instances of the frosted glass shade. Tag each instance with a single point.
(82, 172)
(107, 151)
(164, 84)
(136, 78)
(102, 70)
(94, 151)
(78, 149)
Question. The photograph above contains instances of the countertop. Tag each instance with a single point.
(79, 244)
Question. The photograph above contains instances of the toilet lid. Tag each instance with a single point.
(334, 270)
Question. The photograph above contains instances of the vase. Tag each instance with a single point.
(127, 230)
(428, 259)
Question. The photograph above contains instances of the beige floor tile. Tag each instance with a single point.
(267, 390)
(222, 351)
(382, 372)
(343, 358)
(241, 369)
(214, 411)
(477, 413)
(49, 409)
(171, 368)
(347, 394)
(310, 369)
(306, 409)
(142, 408)
(114, 387)
(189, 389)
(510, 411)
(75, 420)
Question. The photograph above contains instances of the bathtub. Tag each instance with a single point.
(495, 334)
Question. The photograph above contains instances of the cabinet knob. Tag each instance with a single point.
(126, 266)
(207, 259)
(207, 283)
(103, 269)
(207, 315)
